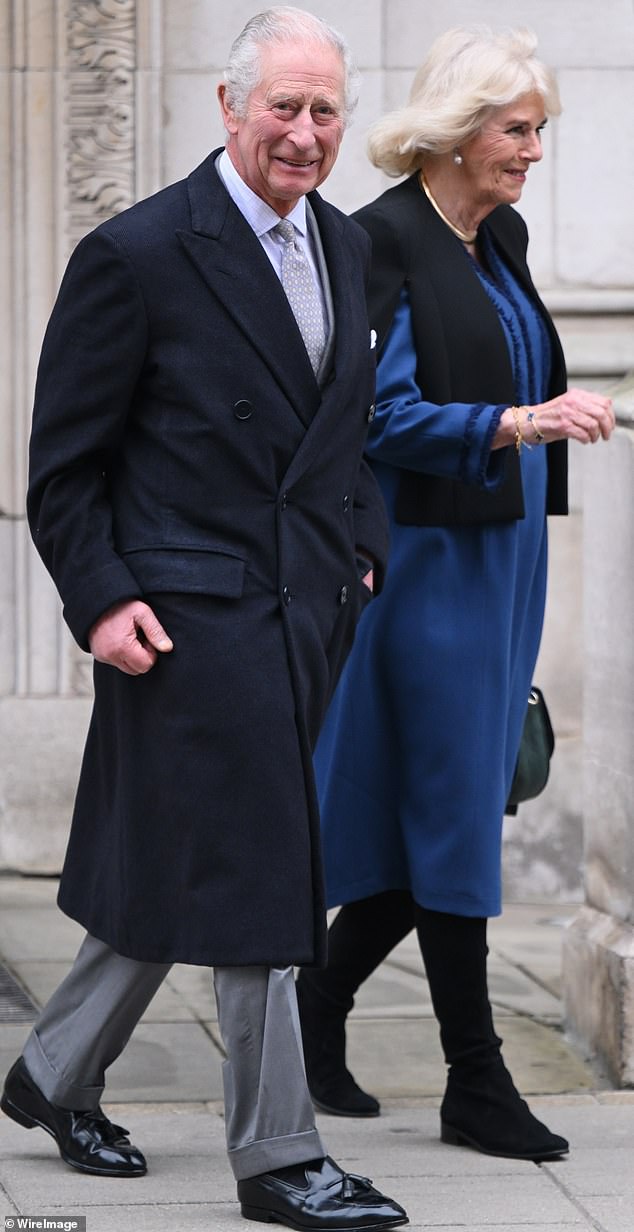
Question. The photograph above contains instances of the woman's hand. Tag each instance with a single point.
(578, 414)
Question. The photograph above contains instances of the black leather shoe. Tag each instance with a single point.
(86, 1140)
(330, 1199)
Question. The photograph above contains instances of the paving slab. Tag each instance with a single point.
(186, 1164)
(601, 1173)
(531, 1200)
(12, 1037)
(171, 1061)
(17, 891)
(168, 1062)
(448, 1186)
(616, 1097)
(406, 1143)
(165, 1217)
(180, 1179)
(530, 936)
(598, 1131)
(513, 990)
(195, 988)
(392, 991)
(402, 1057)
(40, 979)
(398, 991)
(399, 1057)
(578, 1224)
(613, 1214)
(50, 934)
(163, 1061)
(541, 1060)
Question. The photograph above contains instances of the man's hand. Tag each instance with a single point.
(129, 636)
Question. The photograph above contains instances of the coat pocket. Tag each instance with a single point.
(182, 570)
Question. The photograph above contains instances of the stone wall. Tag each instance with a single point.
(599, 945)
(103, 101)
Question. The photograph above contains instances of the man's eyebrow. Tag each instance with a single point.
(296, 96)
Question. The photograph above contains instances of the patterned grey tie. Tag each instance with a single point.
(302, 294)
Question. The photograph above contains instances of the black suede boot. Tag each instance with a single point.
(481, 1107)
(360, 937)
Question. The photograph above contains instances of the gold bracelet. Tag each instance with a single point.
(531, 418)
(519, 439)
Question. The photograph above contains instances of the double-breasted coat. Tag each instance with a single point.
(182, 452)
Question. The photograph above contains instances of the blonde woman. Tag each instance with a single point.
(469, 445)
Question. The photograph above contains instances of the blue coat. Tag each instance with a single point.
(417, 753)
(183, 452)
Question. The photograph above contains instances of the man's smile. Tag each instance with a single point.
(294, 162)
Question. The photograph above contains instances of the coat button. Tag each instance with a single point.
(284, 500)
(243, 409)
(343, 595)
(286, 595)
(371, 412)
(346, 503)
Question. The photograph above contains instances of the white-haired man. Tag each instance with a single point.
(198, 493)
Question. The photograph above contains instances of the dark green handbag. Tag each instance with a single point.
(536, 749)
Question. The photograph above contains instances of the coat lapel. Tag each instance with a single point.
(337, 256)
(516, 259)
(234, 265)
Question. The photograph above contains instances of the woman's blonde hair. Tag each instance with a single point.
(467, 73)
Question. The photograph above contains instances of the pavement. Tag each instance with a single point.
(167, 1089)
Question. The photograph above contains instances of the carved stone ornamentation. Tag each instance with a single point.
(99, 125)
(99, 101)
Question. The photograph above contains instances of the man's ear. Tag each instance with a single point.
(228, 114)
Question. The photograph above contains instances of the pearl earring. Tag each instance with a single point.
(457, 159)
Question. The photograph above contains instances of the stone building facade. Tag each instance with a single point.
(104, 101)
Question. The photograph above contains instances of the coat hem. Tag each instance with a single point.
(453, 903)
(176, 954)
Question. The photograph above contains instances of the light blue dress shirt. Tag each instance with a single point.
(261, 218)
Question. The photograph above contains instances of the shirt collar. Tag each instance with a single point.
(260, 217)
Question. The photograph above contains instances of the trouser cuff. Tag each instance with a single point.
(271, 1153)
(54, 1087)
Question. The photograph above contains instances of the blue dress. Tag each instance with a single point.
(416, 757)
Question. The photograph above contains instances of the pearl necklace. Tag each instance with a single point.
(467, 237)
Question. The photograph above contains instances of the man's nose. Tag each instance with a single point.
(303, 129)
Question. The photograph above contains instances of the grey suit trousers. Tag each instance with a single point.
(269, 1118)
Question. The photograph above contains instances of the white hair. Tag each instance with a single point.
(278, 25)
(468, 73)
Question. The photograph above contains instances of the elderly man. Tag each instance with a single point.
(198, 493)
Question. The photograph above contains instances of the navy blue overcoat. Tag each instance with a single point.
(183, 452)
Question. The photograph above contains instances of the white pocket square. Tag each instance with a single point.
(372, 339)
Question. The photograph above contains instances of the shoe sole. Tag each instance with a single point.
(342, 1112)
(260, 1215)
(29, 1122)
(455, 1137)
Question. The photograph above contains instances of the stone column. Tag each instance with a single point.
(78, 93)
(599, 944)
